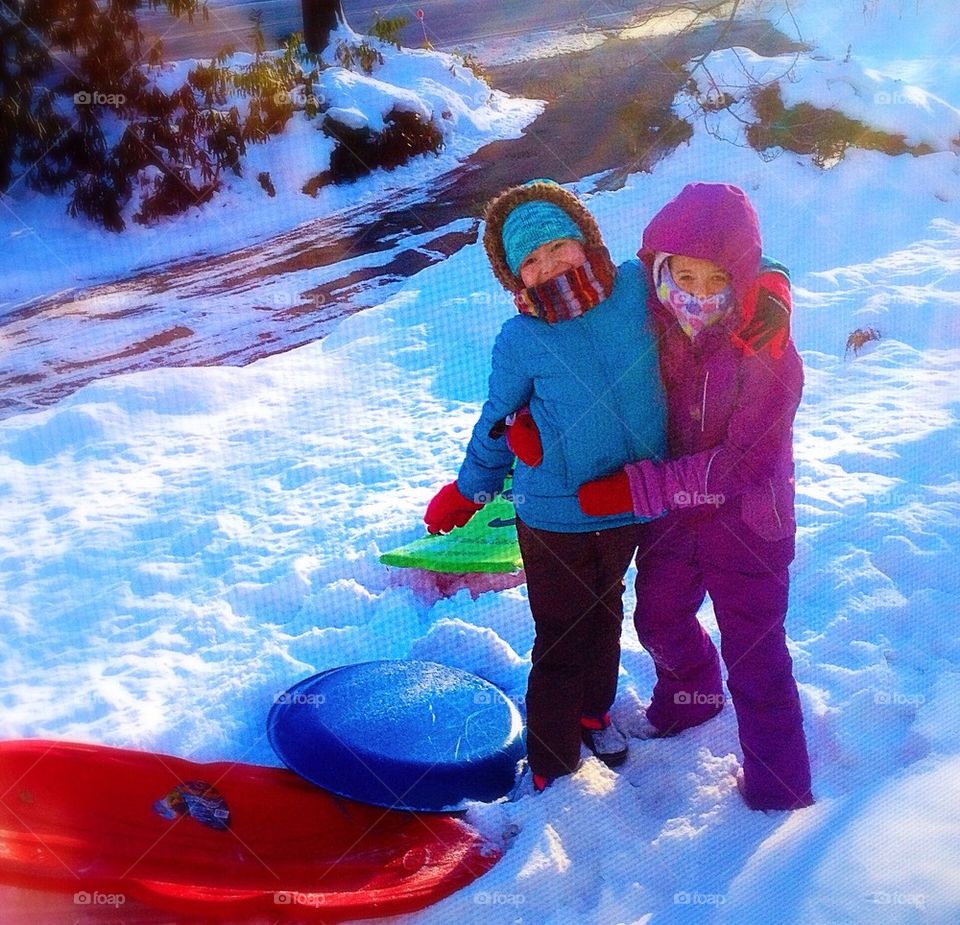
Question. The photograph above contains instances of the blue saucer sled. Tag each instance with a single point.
(402, 734)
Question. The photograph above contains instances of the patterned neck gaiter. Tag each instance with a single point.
(693, 314)
(572, 293)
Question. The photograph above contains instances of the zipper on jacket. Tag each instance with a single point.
(613, 389)
(773, 500)
(706, 475)
(703, 403)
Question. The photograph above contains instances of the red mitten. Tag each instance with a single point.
(766, 313)
(609, 495)
(449, 509)
(523, 437)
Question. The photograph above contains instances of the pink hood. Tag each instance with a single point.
(712, 221)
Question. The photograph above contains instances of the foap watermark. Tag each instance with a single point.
(97, 98)
(696, 898)
(490, 300)
(894, 499)
(485, 898)
(298, 96)
(885, 98)
(485, 497)
(293, 299)
(696, 498)
(300, 699)
(898, 699)
(713, 99)
(293, 898)
(894, 898)
(697, 698)
(96, 898)
(483, 698)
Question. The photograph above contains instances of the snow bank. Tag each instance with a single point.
(46, 251)
(914, 40)
(863, 93)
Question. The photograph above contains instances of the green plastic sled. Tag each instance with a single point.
(487, 544)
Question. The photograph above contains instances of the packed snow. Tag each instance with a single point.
(185, 544)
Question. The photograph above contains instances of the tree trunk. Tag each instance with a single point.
(319, 17)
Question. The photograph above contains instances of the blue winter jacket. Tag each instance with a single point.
(593, 386)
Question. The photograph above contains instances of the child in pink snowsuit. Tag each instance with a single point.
(726, 488)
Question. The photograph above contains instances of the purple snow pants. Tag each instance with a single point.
(575, 589)
(681, 557)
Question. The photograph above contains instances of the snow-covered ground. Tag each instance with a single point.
(46, 251)
(182, 545)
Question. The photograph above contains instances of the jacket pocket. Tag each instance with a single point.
(552, 476)
(767, 508)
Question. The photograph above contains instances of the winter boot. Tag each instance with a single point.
(529, 784)
(604, 739)
(540, 783)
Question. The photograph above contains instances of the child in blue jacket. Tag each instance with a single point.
(581, 355)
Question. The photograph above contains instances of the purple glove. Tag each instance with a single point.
(675, 484)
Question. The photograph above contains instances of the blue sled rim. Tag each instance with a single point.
(401, 734)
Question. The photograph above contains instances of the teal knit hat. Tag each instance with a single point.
(532, 224)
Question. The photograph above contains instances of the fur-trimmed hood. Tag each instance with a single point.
(502, 205)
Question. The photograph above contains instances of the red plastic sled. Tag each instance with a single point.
(220, 839)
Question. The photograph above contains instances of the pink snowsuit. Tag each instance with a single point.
(729, 532)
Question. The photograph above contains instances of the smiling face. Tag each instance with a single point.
(550, 260)
(700, 278)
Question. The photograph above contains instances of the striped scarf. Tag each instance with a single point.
(572, 293)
